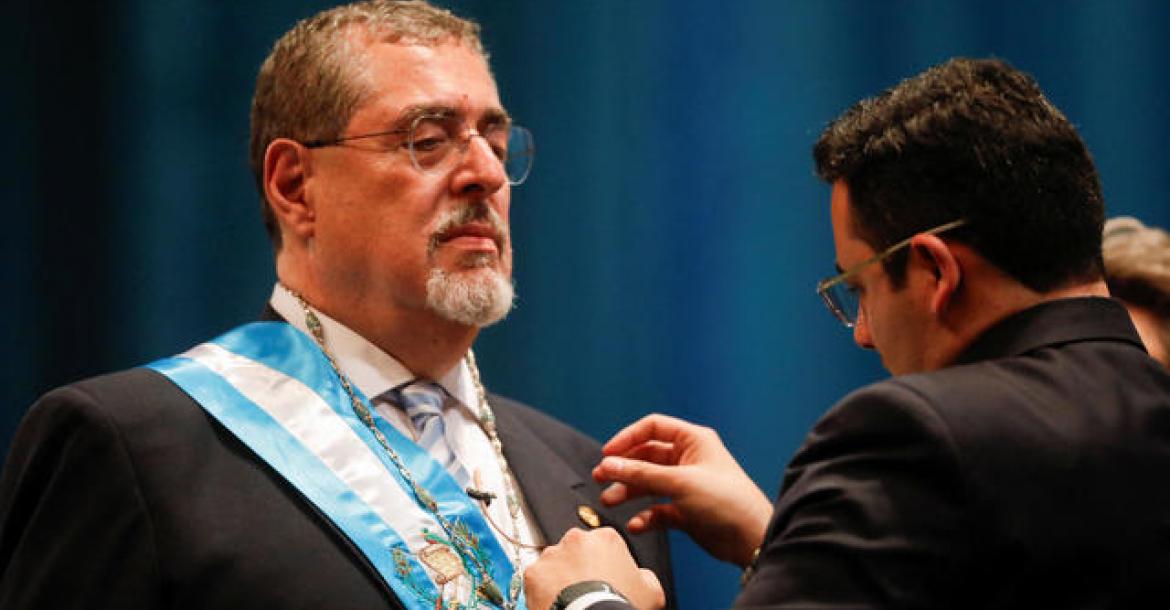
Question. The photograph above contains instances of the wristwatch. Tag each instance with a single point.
(570, 593)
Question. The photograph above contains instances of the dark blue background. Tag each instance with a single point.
(667, 243)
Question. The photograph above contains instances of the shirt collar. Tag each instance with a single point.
(371, 370)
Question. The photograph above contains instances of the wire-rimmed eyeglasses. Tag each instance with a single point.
(431, 140)
(841, 297)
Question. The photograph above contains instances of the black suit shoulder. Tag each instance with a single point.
(1016, 482)
(70, 501)
(121, 492)
(871, 511)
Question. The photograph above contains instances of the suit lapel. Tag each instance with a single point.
(268, 314)
(552, 488)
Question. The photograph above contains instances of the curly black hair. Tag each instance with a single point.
(973, 139)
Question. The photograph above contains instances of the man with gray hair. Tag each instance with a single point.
(342, 452)
(1137, 269)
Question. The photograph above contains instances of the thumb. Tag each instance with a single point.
(647, 477)
(650, 580)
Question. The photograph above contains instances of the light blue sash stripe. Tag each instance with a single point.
(283, 348)
(287, 350)
(269, 440)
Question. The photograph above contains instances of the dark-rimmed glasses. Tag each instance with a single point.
(841, 297)
(431, 140)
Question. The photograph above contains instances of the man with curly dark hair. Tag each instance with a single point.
(1017, 458)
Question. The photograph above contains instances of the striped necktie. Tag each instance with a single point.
(422, 400)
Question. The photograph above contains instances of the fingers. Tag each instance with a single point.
(659, 452)
(617, 493)
(641, 522)
(599, 554)
(659, 516)
(650, 580)
(643, 477)
(654, 427)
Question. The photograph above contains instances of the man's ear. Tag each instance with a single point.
(286, 169)
(942, 262)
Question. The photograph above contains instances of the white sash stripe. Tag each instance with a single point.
(315, 425)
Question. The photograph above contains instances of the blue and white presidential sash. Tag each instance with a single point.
(273, 388)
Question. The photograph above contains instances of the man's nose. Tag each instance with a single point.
(861, 334)
(479, 169)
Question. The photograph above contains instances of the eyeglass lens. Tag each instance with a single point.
(434, 140)
(842, 299)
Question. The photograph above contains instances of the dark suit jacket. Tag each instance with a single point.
(1033, 474)
(121, 492)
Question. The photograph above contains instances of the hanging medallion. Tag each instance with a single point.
(443, 562)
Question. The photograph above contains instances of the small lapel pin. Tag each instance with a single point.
(588, 516)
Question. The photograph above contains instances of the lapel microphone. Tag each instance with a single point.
(483, 496)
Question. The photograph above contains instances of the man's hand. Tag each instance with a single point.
(600, 554)
(712, 498)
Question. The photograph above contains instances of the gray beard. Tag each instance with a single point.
(476, 298)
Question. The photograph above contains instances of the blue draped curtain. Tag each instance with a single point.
(667, 243)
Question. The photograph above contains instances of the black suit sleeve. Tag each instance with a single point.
(74, 530)
(870, 512)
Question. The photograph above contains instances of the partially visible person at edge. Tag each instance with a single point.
(1137, 269)
(342, 453)
(1018, 457)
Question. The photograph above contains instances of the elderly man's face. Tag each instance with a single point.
(385, 229)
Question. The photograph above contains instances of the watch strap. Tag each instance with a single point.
(575, 591)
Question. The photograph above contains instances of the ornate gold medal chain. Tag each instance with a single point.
(488, 589)
(487, 421)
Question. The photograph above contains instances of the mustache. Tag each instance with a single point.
(475, 212)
